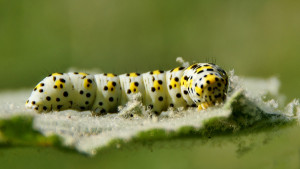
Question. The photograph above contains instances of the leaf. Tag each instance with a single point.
(244, 111)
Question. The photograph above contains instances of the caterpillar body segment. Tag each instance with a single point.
(201, 84)
(186, 80)
(174, 94)
(108, 93)
(156, 90)
(131, 83)
(82, 94)
(37, 100)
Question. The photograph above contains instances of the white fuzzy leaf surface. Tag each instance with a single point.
(87, 133)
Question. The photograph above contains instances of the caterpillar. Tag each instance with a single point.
(200, 85)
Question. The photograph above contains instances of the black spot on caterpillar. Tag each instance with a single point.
(201, 84)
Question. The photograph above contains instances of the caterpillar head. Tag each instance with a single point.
(51, 93)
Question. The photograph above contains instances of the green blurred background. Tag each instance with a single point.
(255, 38)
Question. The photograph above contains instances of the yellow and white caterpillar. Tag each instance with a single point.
(201, 84)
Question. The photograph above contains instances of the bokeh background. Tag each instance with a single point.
(258, 38)
(255, 38)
